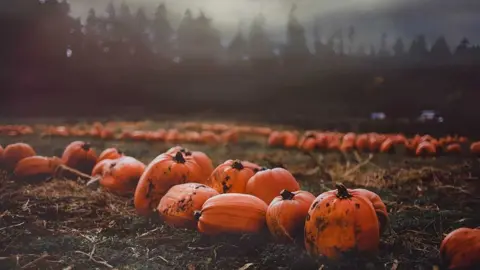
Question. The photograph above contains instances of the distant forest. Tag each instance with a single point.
(51, 63)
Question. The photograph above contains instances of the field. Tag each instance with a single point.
(60, 224)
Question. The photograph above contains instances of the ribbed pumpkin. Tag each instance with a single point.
(164, 172)
(1, 156)
(201, 158)
(110, 153)
(177, 207)
(101, 166)
(339, 222)
(232, 213)
(121, 176)
(232, 176)
(36, 166)
(276, 139)
(460, 249)
(378, 205)
(268, 183)
(286, 214)
(80, 155)
(15, 152)
(426, 148)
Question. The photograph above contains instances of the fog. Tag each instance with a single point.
(452, 18)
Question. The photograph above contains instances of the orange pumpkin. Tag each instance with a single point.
(286, 214)
(13, 153)
(268, 183)
(100, 167)
(209, 137)
(475, 148)
(229, 136)
(36, 166)
(1, 156)
(232, 213)
(291, 139)
(201, 158)
(426, 148)
(378, 205)
(80, 155)
(110, 153)
(232, 176)
(121, 176)
(460, 249)
(164, 172)
(177, 207)
(362, 142)
(276, 139)
(387, 146)
(453, 148)
(339, 222)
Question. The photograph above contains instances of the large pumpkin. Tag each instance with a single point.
(268, 183)
(15, 152)
(339, 222)
(110, 153)
(80, 155)
(286, 214)
(232, 213)
(232, 176)
(181, 201)
(36, 166)
(121, 176)
(164, 172)
(378, 205)
(201, 158)
(460, 249)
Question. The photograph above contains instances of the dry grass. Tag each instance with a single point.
(59, 224)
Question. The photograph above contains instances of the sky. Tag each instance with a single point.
(406, 18)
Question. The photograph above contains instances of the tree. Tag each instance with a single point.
(206, 38)
(185, 34)
(351, 37)
(440, 49)
(260, 46)
(418, 49)
(162, 31)
(383, 46)
(463, 48)
(111, 12)
(141, 21)
(237, 49)
(296, 47)
(399, 47)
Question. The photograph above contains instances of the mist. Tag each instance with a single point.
(405, 18)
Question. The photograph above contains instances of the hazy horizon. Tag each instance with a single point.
(398, 18)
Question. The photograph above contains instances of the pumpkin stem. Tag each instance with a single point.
(179, 158)
(86, 146)
(342, 191)
(237, 164)
(197, 214)
(287, 195)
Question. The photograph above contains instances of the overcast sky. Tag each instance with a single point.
(452, 18)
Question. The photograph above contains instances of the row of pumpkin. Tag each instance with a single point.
(185, 189)
(425, 145)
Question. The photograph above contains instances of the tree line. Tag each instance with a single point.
(47, 54)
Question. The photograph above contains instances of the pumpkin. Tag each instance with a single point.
(13, 153)
(387, 146)
(339, 222)
(453, 148)
(286, 214)
(276, 139)
(232, 176)
(378, 205)
(178, 205)
(209, 137)
(121, 176)
(110, 153)
(101, 166)
(1, 156)
(475, 148)
(201, 158)
(308, 142)
(426, 148)
(460, 249)
(362, 142)
(268, 183)
(232, 213)
(80, 155)
(229, 136)
(291, 139)
(36, 166)
(164, 172)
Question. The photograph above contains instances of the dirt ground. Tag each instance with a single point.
(59, 224)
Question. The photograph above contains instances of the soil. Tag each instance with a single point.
(60, 224)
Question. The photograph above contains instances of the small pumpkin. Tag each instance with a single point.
(110, 153)
(232, 176)
(276, 139)
(426, 148)
(100, 167)
(286, 214)
(460, 249)
(339, 222)
(15, 152)
(268, 183)
(453, 149)
(232, 213)
(178, 205)
(80, 155)
(475, 148)
(121, 176)
(291, 139)
(164, 172)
